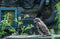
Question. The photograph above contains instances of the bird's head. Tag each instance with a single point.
(37, 20)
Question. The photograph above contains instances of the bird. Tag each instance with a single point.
(42, 27)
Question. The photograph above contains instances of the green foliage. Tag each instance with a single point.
(58, 14)
(52, 33)
(58, 11)
(29, 26)
(18, 21)
(2, 32)
(59, 26)
(26, 28)
(23, 28)
(26, 16)
(6, 16)
(5, 23)
(24, 34)
(12, 30)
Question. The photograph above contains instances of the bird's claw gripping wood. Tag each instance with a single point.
(42, 27)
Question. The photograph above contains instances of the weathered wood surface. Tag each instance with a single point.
(33, 36)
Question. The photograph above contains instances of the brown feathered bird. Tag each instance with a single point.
(42, 27)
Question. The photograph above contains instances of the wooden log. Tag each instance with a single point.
(32, 37)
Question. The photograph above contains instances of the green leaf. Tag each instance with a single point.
(12, 30)
(26, 16)
(52, 31)
(23, 28)
(59, 26)
(19, 23)
(28, 27)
